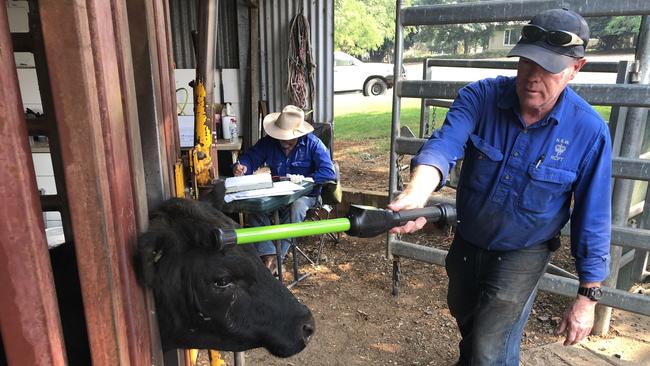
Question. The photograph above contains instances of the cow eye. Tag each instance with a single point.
(223, 282)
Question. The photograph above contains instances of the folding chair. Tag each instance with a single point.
(325, 208)
(331, 195)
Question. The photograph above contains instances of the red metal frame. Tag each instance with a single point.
(29, 315)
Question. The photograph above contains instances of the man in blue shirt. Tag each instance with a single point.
(535, 156)
(290, 147)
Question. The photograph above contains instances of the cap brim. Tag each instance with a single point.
(547, 59)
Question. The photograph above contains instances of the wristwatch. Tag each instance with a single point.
(593, 293)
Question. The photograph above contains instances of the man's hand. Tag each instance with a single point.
(424, 180)
(578, 320)
(239, 169)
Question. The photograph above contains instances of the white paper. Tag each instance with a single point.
(248, 182)
(186, 131)
(278, 189)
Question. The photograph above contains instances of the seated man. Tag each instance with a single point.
(288, 148)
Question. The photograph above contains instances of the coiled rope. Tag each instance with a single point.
(300, 64)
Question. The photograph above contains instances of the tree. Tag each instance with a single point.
(614, 32)
(363, 26)
(451, 38)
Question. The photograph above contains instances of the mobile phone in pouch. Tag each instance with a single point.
(554, 243)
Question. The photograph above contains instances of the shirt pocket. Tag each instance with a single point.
(545, 184)
(302, 167)
(483, 165)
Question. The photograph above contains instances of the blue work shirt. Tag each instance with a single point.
(520, 185)
(309, 158)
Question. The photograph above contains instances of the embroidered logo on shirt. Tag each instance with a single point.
(560, 147)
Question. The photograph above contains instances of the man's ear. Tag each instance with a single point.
(577, 67)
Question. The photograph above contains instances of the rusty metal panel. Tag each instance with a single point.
(145, 67)
(29, 315)
(167, 89)
(94, 151)
(127, 77)
(138, 327)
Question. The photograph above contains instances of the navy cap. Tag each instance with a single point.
(554, 59)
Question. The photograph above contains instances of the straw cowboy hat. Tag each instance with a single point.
(288, 125)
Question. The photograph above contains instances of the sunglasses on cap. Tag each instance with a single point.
(559, 38)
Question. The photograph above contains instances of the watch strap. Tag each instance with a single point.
(593, 293)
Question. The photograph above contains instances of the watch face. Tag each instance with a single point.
(596, 293)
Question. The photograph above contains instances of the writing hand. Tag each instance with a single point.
(239, 169)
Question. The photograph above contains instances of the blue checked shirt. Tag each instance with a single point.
(309, 158)
(520, 185)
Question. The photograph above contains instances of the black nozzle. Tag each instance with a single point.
(366, 221)
(222, 239)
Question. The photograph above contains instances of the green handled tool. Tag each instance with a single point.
(361, 221)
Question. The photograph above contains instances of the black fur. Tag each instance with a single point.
(206, 298)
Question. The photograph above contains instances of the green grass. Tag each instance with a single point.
(373, 120)
(604, 111)
(371, 123)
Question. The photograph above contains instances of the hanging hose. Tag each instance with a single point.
(300, 64)
(181, 108)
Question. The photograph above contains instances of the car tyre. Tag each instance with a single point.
(374, 87)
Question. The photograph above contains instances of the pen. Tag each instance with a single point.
(539, 161)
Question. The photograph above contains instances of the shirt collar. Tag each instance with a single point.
(302, 140)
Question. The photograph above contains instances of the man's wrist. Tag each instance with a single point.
(591, 293)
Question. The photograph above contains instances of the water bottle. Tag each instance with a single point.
(225, 121)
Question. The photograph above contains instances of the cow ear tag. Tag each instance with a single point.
(157, 254)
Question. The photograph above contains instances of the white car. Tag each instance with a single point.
(369, 77)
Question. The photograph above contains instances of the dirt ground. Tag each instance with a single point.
(359, 322)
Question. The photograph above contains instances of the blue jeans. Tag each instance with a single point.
(490, 295)
(296, 212)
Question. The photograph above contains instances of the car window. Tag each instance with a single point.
(340, 61)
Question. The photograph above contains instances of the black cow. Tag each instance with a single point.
(206, 298)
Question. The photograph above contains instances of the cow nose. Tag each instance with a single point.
(307, 331)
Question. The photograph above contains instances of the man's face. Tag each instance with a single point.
(538, 89)
(287, 145)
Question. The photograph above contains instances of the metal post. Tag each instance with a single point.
(239, 359)
(640, 261)
(424, 109)
(641, 257)
(622, 193)
(204, 91)
(399, 50)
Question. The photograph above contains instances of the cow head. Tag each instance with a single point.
(211, 299)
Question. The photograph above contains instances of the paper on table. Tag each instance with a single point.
(278, 189)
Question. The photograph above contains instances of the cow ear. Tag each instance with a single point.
(150, 252)
(216, 195)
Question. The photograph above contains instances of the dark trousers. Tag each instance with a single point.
(490, 295)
